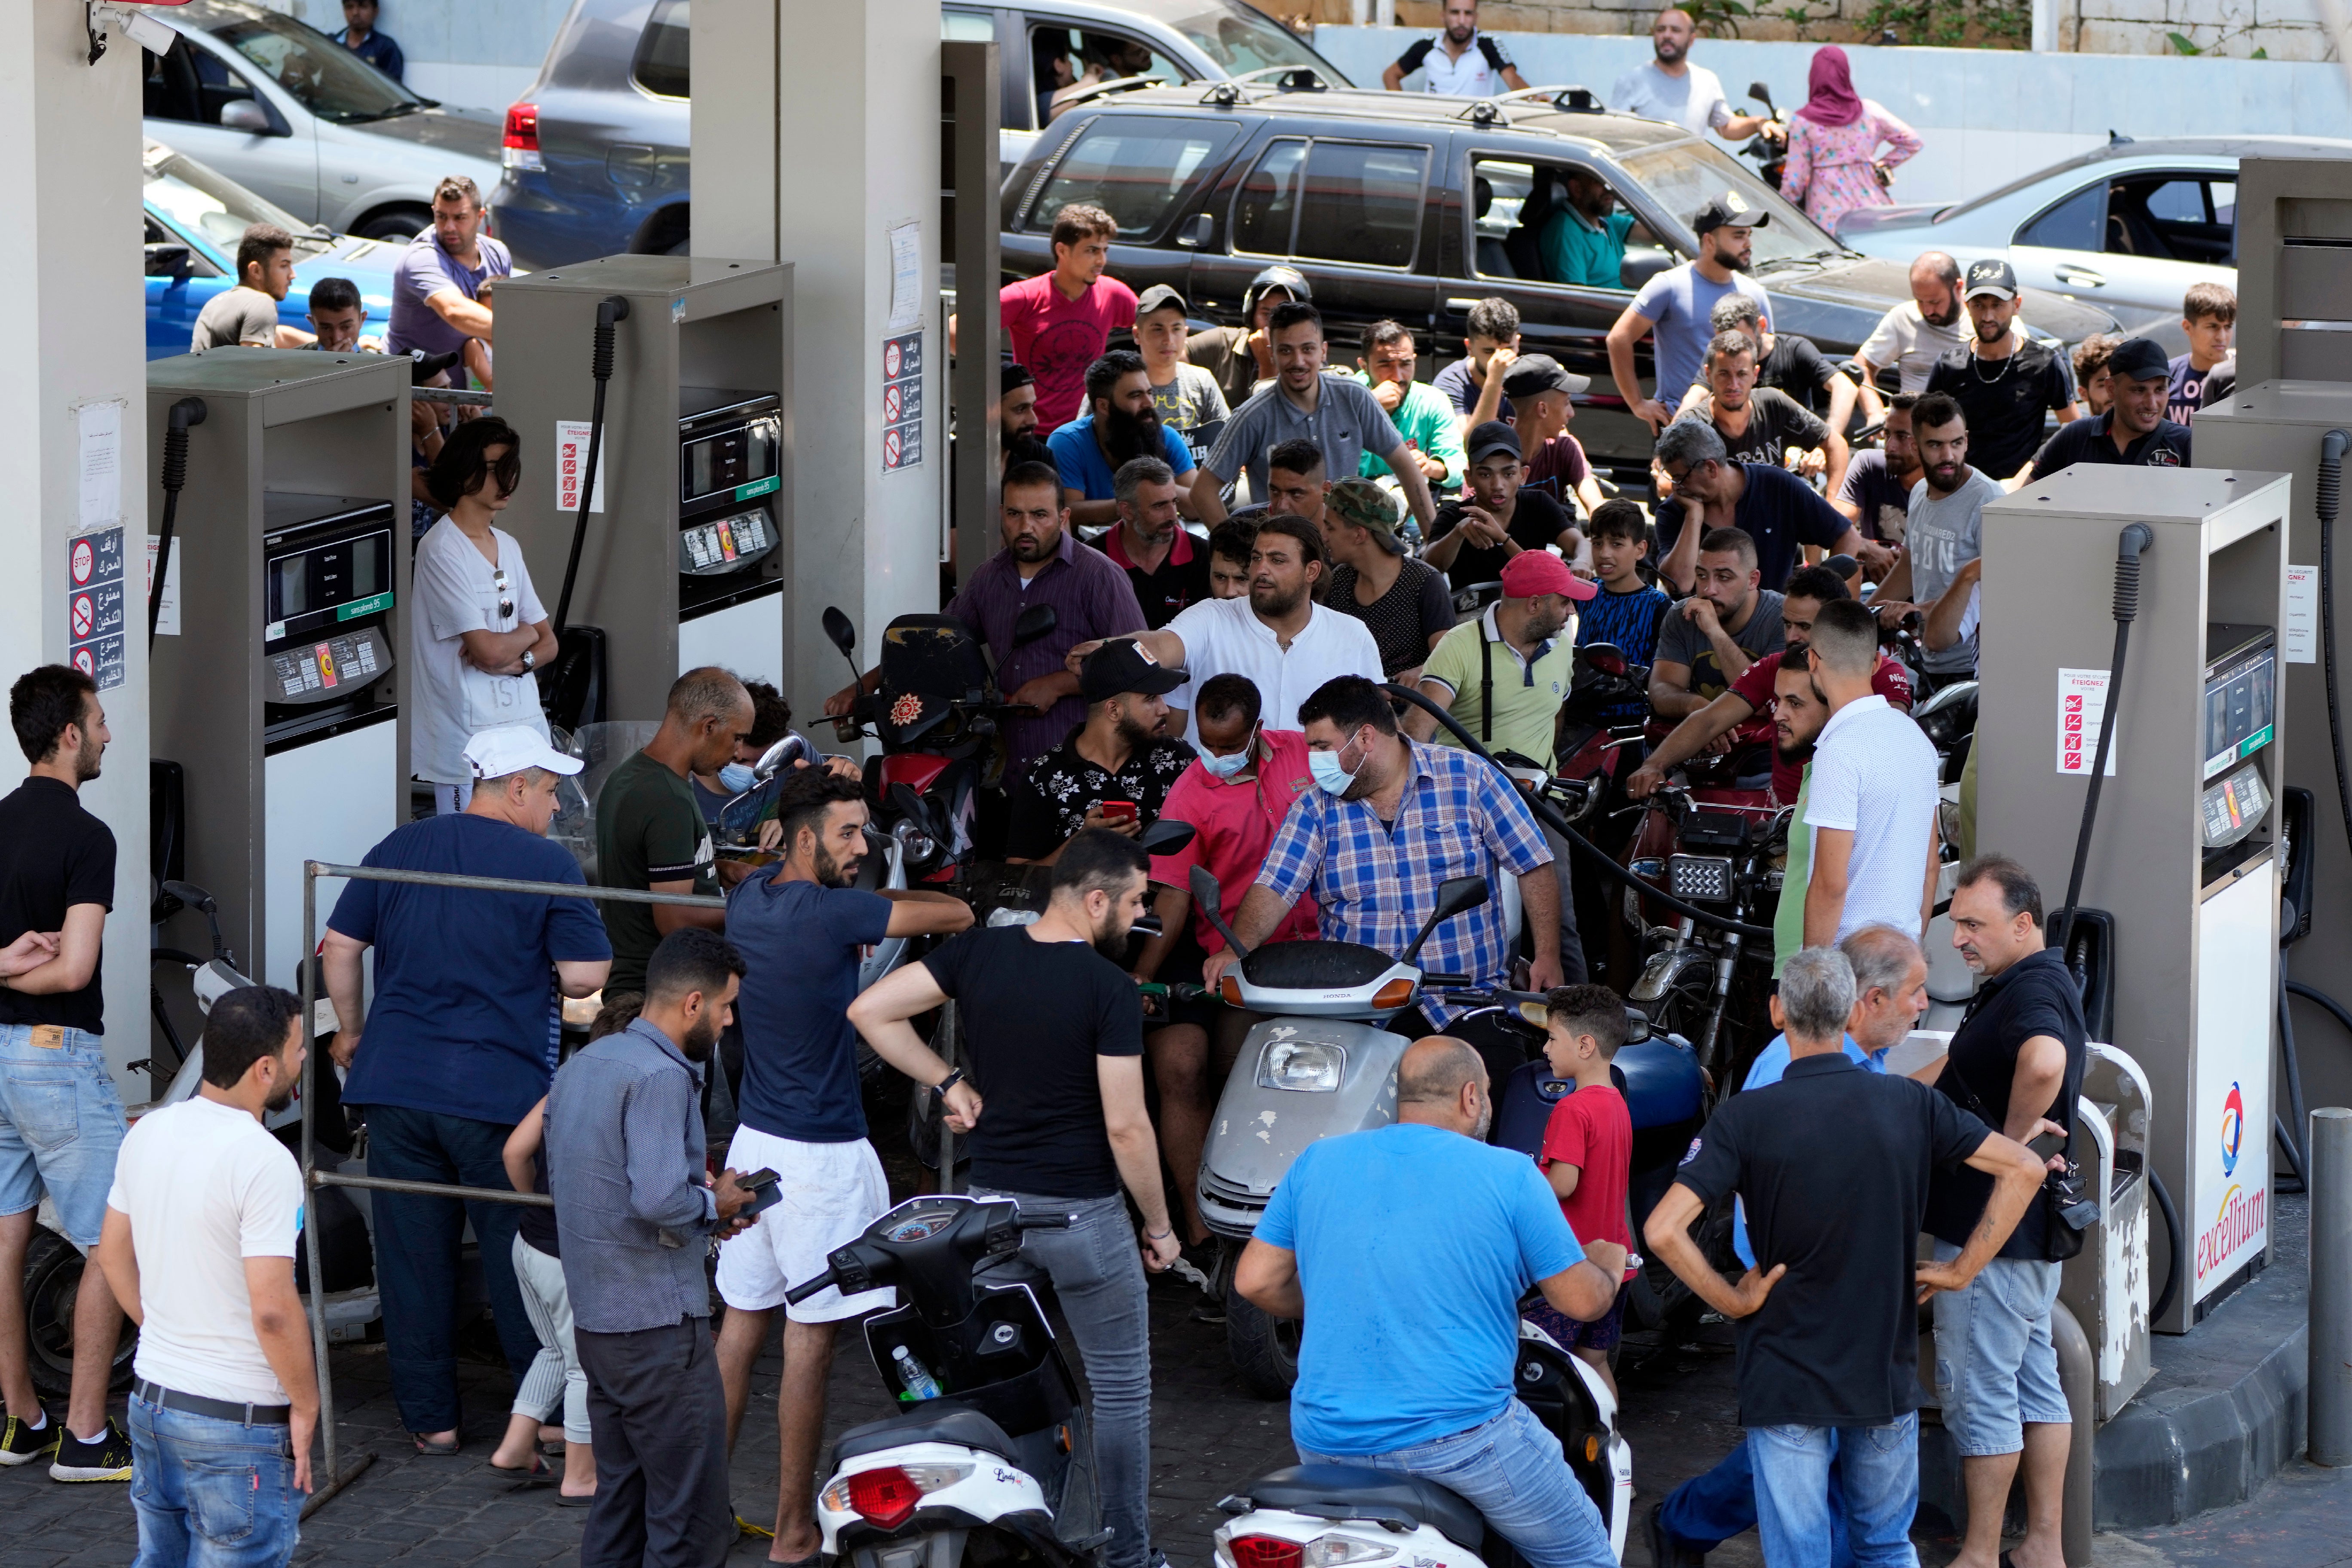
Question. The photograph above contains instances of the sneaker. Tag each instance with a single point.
(108, 1460)
(21, 1444)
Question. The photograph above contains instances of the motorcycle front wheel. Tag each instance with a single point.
(1264, 1348)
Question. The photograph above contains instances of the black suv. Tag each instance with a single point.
(1415, 206)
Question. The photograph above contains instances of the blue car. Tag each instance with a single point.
(196, 215)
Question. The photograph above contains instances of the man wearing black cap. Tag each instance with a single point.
(1544, 394)
(1679, 307)
(1187, 396)
(1016, 419)
(2003, 380)
(2133, 432)
(1115, 769)
(1497, 516)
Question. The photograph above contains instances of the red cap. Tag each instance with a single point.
(1532, 573)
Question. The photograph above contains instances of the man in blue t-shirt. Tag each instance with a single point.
(803, 930)
(1406, 1249)
(1120, 422)
(1677, 306)
(460, 1044)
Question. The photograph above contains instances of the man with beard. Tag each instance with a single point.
(56, 882)
(1457, 59)
(1909, 339)
(1584, 242)
(1167, 566)
(1016, 419)
(1339, 416)
(1876, 495)
(1677, 306)
(1121, 425)
(1278, 638)
(1672, 88)
(2003, 380)
(200, 1231)
(627, 1152)
(1790, 363)
(1052, 1031)
(1945, 530)
(1114, 772)
(803, 932)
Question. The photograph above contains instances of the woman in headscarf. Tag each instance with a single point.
(1833, 163)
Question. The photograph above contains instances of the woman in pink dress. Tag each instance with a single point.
(1834, 165)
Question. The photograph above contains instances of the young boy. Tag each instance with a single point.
(2208, 372)
(1184, 395)
(1587, 1150)
(1627, 611)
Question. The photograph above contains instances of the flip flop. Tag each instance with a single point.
(539, 1474)
(565, 1499)
(434, 1449)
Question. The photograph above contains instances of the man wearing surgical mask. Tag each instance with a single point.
(1235, 794)
(1392, 820)
(771, 721)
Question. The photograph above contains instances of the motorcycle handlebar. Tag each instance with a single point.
(1042, 1222)
(799, 1293)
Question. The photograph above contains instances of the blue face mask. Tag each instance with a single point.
(1226, 767)
(736, 777)
(1334, 778)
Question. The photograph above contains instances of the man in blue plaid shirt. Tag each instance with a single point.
(1392, 820)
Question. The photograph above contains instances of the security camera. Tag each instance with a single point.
(135, 23)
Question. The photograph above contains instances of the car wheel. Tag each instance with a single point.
(53, 1277)
(397, 226)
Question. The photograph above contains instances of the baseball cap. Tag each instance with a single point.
(1157, 296)
(1531, 373)
(1533, 572)
(1729, 210)
(1492, 436)
(1992, 276)
(1121, 666)
(1365, 505)
(506, 749)
(2139, 359)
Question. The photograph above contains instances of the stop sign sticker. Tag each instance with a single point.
(890, 360)
(85, 562)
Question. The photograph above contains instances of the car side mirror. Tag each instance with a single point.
(839, 632)
(1037, 621)
(245, 114)
(1642, 263)
(167, 260)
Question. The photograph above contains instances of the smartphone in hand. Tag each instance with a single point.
(1119, 810)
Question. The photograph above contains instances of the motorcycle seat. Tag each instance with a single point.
(1348, 1492)
(934, 1421)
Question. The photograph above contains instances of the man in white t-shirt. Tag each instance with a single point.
(1871, 798)
(1457, 60)
(1911, 337)
(1672, 88)
(1277, 637)
(199, 1248)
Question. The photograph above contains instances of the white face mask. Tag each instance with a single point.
(1329, 772)
(1226, 767)
(737, 777)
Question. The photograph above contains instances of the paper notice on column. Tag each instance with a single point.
(571, 461)
(2082, 709)
(98, 462)
(906, 276)
(167, 615)
(2302, 640)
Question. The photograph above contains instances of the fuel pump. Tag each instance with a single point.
(678, 371)
(278, 683)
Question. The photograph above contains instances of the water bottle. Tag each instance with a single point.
(920, 1384)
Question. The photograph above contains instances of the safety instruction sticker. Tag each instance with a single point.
(97, 605)
(2299, 640)
(902, 402)
(571, 462)
(2082, 709)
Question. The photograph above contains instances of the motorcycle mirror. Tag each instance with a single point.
(779, 757)
(1210, 900)
(1637, 1025)
(1605, 658)
(1761, 94)
(840, 632)
(1844, 565)
(1166, 837)
(910, 806)
(1454, 895)
(1037, 621)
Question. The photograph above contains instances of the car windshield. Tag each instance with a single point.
(331, 81)
(1241, 40)
(207, 204)
(1681, 178)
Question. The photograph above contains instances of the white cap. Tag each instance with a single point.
(510, 748)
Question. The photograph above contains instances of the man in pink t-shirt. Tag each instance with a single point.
(1059, 322)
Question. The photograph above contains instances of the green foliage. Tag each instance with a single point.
(1720, 18)
(2182, 45)
(1997, 23)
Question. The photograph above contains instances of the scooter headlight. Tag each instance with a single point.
(1305, 1066)
(888, 1496)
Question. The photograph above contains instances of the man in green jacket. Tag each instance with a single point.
(1420, 412)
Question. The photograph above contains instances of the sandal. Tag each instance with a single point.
(540, 1474)
(434, 1448)
(565, 1499)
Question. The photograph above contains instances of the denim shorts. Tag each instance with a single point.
(1995, 1365)
(60, 1127)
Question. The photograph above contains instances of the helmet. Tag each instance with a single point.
(1287, 279)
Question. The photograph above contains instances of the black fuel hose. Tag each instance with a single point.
(610, 310)
(2135, 541)
(188, 411)
(1552, 819)
(2175, 1242)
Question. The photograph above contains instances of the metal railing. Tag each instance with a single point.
(336, 1478)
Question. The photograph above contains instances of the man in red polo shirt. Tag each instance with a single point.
(1234, 794)
(1059, 322)
(1750, 697)
(1168, 567)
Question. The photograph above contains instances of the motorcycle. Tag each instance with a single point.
(1772, 154)
(990, 1462)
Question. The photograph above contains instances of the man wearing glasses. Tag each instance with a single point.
(475, 622)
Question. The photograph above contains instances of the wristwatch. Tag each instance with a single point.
(529, 660)
(946, 1083)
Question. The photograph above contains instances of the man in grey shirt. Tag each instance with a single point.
(1338, 414)
(625, 1153)
(1943, 531)
(247, 315)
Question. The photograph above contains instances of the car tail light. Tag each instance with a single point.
(521, 141)
(1267, 1552)
(1395, 993)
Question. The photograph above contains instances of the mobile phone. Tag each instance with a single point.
(1119, 810)
(2048, 1144)
(764, 1186)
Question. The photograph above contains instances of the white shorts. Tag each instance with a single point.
(831, 1193)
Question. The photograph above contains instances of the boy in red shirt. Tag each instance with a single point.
(1587, 1152)
(1059, 322)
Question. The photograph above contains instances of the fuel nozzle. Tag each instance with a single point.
(611, 309)
(2135, 539)
(188, 411)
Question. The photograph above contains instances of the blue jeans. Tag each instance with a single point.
(416, 1246)
(211, 1494)
(1879, 1468)
(1708, 1509)
(60, 1127)
(1096, 1267)
(1511, 1470)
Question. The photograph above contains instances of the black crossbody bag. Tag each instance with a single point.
(2067, 1211)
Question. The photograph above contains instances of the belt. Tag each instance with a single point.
(163, 1398)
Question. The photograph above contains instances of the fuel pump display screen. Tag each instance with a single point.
(337, 581)
(2241, 694)
(730, 461)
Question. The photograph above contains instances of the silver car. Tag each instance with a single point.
(287, 112)
(2127, 227)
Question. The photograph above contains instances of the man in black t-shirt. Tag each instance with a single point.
(2133, 432)
(61, 1118)
(1777, 511)
(1760, 424)
(2017, 1062)
(1496, 517)
(1877, 494)
(1828, 1335)
(1115, 771)
(2003, 380)
(1053, 1030)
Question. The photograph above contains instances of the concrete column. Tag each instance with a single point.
(71, 266)
(815, 158)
